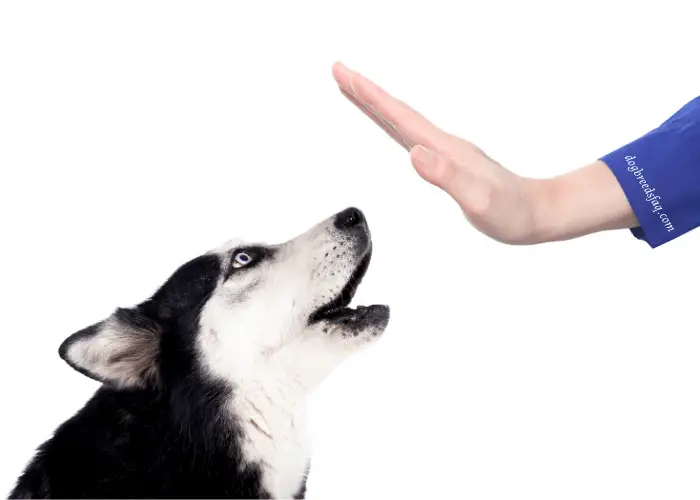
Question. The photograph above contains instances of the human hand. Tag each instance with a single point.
(496, 201)
(507, 207)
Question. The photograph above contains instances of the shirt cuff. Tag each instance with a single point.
(660, 176)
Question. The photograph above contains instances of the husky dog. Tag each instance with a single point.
(204, 384)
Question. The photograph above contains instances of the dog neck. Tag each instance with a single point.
(270, 410)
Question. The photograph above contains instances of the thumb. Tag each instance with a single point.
(434, 168)
(471, 192)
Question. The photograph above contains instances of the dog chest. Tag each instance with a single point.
(275, 439)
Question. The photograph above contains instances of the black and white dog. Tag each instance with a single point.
(204, 384)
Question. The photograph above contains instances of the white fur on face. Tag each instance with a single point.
(262, 309)
(255, 334)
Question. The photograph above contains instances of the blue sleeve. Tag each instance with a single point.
(660, 175)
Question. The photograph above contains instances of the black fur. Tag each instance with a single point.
(169, 438)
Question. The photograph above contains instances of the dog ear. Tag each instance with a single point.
(122, 350)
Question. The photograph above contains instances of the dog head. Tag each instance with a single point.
(241, 310)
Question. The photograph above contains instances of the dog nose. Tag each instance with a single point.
(350, 217)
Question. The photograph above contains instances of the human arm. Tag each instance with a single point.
(517, 210)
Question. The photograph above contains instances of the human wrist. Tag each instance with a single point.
(578, 203)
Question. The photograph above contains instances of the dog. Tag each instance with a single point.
(204, 383)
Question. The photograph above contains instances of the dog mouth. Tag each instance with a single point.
(339, 310)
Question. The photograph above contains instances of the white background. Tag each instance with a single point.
(136, 135)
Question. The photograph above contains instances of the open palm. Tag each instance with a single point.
(496, 201)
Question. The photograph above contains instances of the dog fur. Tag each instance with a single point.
(204, 384)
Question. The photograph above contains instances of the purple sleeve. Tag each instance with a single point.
(660, 175)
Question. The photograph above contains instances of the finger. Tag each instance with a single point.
(342, 75)
(408, 122)
(386, 127)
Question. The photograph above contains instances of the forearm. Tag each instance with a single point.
(651, 185)
(580, 202)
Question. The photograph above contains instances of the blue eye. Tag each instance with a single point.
(241, 259)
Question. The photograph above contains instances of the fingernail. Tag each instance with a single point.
(352, 87)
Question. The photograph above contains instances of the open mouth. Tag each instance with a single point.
(338, 308)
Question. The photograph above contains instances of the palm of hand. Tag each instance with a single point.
(496, 201)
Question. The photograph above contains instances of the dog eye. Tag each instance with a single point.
(242, 259)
